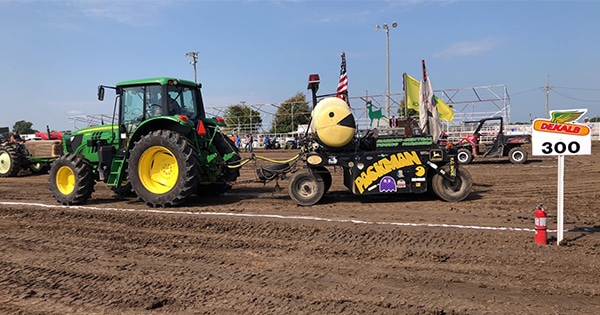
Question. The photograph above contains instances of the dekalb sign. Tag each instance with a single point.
(560, 136)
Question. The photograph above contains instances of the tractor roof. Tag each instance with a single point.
(160, 80)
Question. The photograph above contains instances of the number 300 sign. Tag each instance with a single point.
(551, 138)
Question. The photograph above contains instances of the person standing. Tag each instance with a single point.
(251, 144)
(247, 143)
(238, 142)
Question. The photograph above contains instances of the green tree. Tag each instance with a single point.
(24, 127)
(290, 114)
(242, 119)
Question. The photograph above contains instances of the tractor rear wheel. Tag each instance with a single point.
(452, 191)
(306, 189)
(464, 156)
(71, 179)
(163, 168)
(517, 155)
(10, 161)
(226, 147)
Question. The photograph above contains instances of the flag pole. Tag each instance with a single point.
(426, 109)
(405, 95)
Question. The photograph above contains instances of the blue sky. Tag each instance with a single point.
(55, 53)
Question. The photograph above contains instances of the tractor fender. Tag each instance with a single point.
(164, 123)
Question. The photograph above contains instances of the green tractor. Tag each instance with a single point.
(160, 147)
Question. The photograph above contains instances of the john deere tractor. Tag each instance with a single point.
(160, 147)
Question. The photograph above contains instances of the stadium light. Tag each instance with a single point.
(194, 55)
(387, 58)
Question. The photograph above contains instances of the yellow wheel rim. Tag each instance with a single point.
(4, 162)
(158, 170)
(65, 180)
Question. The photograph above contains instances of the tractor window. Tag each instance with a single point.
(153, 101)
(183, 101)
(133, 104)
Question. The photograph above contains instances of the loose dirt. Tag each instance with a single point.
(253, 251)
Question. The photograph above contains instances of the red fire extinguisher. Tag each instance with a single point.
(540, 225)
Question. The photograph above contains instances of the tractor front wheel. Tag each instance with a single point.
(10, 161)
(163, 168)
(39, 168)
(453, 191)
(71, 179)
(306, 188)
(517, 155)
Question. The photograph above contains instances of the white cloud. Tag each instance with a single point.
(467, 48)
(136, 13)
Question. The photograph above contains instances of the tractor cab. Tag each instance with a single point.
(146, 104)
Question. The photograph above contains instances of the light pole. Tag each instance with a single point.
(194, 55)
(387, 59)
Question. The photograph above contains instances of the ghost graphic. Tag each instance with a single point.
(387, 184)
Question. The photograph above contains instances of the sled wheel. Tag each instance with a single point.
(163, 168)
(325, 175)
(306, 189)
(10, 162)
(71, 179)
(39, 168)
(517, 155)
(464, 156)
(452, 191)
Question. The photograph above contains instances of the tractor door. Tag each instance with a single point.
(138, 103)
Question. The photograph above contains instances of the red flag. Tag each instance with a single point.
(342, 89)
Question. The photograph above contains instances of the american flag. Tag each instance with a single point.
(342, 89)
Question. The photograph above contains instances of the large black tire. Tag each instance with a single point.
(225, 145)
(325, 175)
(517, 155)
(464, 156)
(306, 189)
(453, 191)
(71, 179)
(11, 161)
(163, 168)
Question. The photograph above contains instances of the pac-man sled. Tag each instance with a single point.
(392, 161)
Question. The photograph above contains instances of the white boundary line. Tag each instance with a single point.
(275, 216)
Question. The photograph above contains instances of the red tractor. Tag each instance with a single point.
(489, 140)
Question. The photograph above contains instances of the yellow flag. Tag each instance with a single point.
(445, 112)
(412, 87)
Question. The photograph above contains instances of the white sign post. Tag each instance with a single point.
(553, 137)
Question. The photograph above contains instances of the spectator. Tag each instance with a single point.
(251, 144)
(247, 143)
(238, 142)
(267, 142)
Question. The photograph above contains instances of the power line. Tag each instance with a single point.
(576, 99)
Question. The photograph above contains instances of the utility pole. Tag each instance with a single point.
(194, 55)
(548, 88)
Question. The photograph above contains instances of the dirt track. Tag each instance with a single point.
(253, 251)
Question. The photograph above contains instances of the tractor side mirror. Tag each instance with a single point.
(101, 93)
